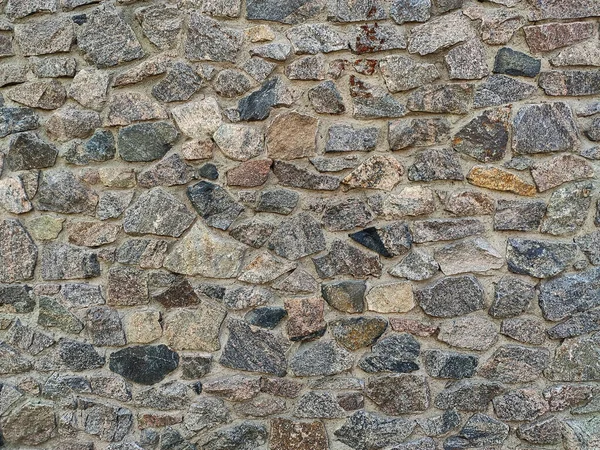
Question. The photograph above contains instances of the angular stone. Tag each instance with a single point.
(82, 295)
(142, 327)
(440, 425)
(299, 236)
(208, 40)
(42, 37)
(402, 11)
(564, 396)
(144, 364)
(416, 266)
(237, 388)
(524, 329)
(90, 88)
(180, 294)
(70, 123)
(389, 241)
(322, 405)
(346, 138)
(365, 430)
(394, 353)
(440, 33)
(356, 11)
(549, 36)
(180, 83)
(239, 142)
(168, 396)
(485, 138)
(13, 74)
(126, 108)
(305, 318)
(279, 201)
(298, 282)
(579, 434)
(232, 83)
(32, 423)
(39, 94)
(376, 38)
(445, 229)
(572, 82)
(473, 333)
(511, 62)
(344, 259)
(112, 204)
(243, 436)
(467, 395)
(245, 297)
(451, 297)
(568, 208)
(442, 364)
(252, 232)
(61, 191)
(519, 405)
(17, 298)
(67, 262)
(500, 90)
(13, 361)
(346, 296)
(266, 317)
(169, 171)
(543, 128)
(444, 98)
(290, 435)
(322, 358)
(257, 105)
(18, 253)
(544, 431)
(583, 54)
(356, 333)
(126, 286)
(92, 234)
(277, 51)
(161, 24)
(377, 172)
(54, 315)
(100, 147)
(286, 12)
(410, 201)
(196, 150)
(436, 164)
(79, 356)
(417, 132)
(15, 120)
(259, 69)
(391, 298)
(253, 350)
(292, 136)
(399, 394)
(28, 151)
(470, 255)
(54, 67)
(195, 328)
(307, 68)
(326, 99)
(539, 259)
(515, 364)
(198, 119)
(280, 387)
(373, 101)
(265, 268)
(575, 360)
(214, 204)
(589, 244)
(467, 61)
(499, 180)
(479, 431)
(469, 203)
(519, 215)
(206, 413)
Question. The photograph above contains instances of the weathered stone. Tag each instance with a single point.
(549, 36)
(266, 317)
(321, 405)
(346, 296)
(79, 356)
(540, 259)
(440, 425)
(583, 54)
(245, 297)
(519, 215)
(198, 119)
(259, 69)
(527, 330)
(114, 177)
(17, 298)
(326, 99)
(402, 11)
(265, 268)
(497, 26)
(499, 180)
(350, 11)
(232, 83)
(253, 350)
(344, 259)
(195, 329)
(243, 436)
(451, 297)
(416, 266)
(208, 40)
(377, 172)
(90, 88)
(579, 434)
(364, 430)
(42, 37)
(279, 201)
(169, 171)
(322, 358)
(436, 164)
(399, 394)
(69, 123)
(572, 82)
(444, 98)
(417, 132)
(305, 318)
(543, 431)
(214, 204)
(287, 12)
(144, 364)
(439, 34)
(410, 201)
(252, 232)
(393, 353)
(441, 364)
(61, 191)
(500, 89)
(298, 236)
(485, 138)
(28, 151)
(470, 255)
(180, 83)
(564, 396)
(289, 435)
(568, 208)
(196, 150)
(206, 413)
(237, 388)
(161, 24)
(467, 61)
(54, 315)
(280, 387)
(257, 105)
(13, 74)
(67, 262)
(277, 51)
(291, 136)
(298, 282)
(473, 333)
(82, 295)
(15, 120)
(106, 39)
(32, 423)
(515, 364)
(92, 234)
(39, 94)
(346, 138)
(444, 229)
(104, 326)
(479, 431)
(13, 361)
(126, 108)
(375, 38)
(391, 298)
(180, 294)
(112, 204)
(574, 360)
(126, 286)
(466, 395)
(468, 203)
(260, 33)
(142, 327)
(389, 241)
(521, 404)
(373, 102)
(307, 68)
(54, 67)
(100, 147)
(355, 333)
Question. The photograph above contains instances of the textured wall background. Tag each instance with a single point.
(299, 224)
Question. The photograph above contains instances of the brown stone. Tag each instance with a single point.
(547, 37)
(399, 394)
(127, 286)
(469, 203)
(280, 387)
(559, 170)
(305, 318)
(250, 173)
(18, 253)
(92, 233)
(292, 135)
(158, 420)
(290, 435)
(499, 180)
(237, 388)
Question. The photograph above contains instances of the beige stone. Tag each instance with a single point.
(391, 298)
(13, 196)
(197, 149)
(377, 172)
(92, 233)
(142, 327)
(291, 136)
(198, 119)
(260, 33)
(116, 177)
(560, 169)
(195, 328)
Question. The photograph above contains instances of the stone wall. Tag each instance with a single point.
(299, 224)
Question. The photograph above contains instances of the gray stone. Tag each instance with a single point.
(322, 358)
(346, 296)
(543, 431)
(78, 356)
(106, 421)
(479, 431)
(467, 395)
(13, 74)
(539, 259)
(170, 171)
(356, 11)
(298, 236)
(279, 201)
(586, 53)
(18, 253)
(167, 396)
(373, 102)
(67, 262)
(126, 286)
(17, 298)
(146, 141)
(519, 215)
(307, 68)
(574, 360)
(104, 327)
(471, 332)
(208, 40)
(214, 204)
(376, 38)
(346, 138)
(257, 105)
(440, 33)
(289, 12)
(99, 148)
(243, 436)
(442, 364)
(15, 120)
(69, 123)
(436, 164)
(470, 255)
(205, 414)
(511, 62)
(54, 67)
(405, 133)
(500, 90)
(253, 350)
(439, 425)
(157, 212)
(344, 259)
(259, 69)
(346, 214)
(106, 39)
(484, 138)
(365, 430)
(112, 204)
(146, 364)
(515, 364)
(82, 295)
(467, 61)
(377, 172)
(451, 297)
(335, 164)
(277, 51)
(318, 405)
(568, 208)
(42, 37)
(399, 394)
(445, 229)
(161, 24)
(389, 241)
(442, 98)
(252, 232)
(519, 405)
(402, 73)
(402, 11)
(416, 266)
(232, 83)
(89, 88)
(61, 191)
(570, 82)
(180, 83)
(54, 315)
(394, 353)
(16, 9)
(589, 244)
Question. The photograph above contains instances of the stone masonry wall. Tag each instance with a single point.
(299, 224)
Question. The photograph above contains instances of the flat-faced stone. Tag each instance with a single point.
(305, 318)
(527, 330)
(406, 133)
(519, 405)
(214, 204)
(180, 294)
(52, 314)
(500, 180)
(443, 364)
(279, 201)
(253, 350)
(39, 94)
(31, 423)
(470, 255)
(78, 356)
(512, 297)
(242, 436)
(389, 241)
(237, 388)
(16, 119)
(467, 61)
(100, 147)
(258, 104)
(322, 358)
(90, 88)
(129, 107)
(161, 24)
(416, 266)
(170, 171)
(479, 431)
(370, 38)
(325, 98)
(142, 327)
(18, 298)
(515, 364)
(92, 234)
(195, 328)
(157, 212)
(206, 413)
(519, 215)
(391, 298)
(28, 151)
(583, 54)
(42, 37)
(579, 434)
(285, 12)
(291, 136)
(71, 123)
(537, 258)
(307, 68)
(473, 333)
(445, 229)
(410, 201)
(377, 172)
(347, 296)
(399, 394)
(277, 51)
(393, 353)
(549, 36)
(570, 82)
(251, 174)
(259, 68)
(402, 11)
(589, 244)
(574, 360)
(442, 98)
(290, 435)
(127, 286)
(467, 395)
(245, 297)
(199, 119)
(469, 203)
(364, 430)
(232, 83)
(568, 208)
(300, 281)
(61, 191)
(344, 259)
(298, 236)
(266, 316)
(82, 295)
(373, 101)
(66, 262)
(346, 138)
(465, 292)
(500, 90)
(359, 332)
(144, 364)
(208, 40)
(436, 164)
(252, 232)
(356, 11)
(318, 405)
(440, 33)
(484, 138)
(439, 425)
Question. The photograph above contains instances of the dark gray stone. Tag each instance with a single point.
(103, 324)
(366, 430)
(479, 431)
(16, 120)
(344, 259)
(288, 11)
(258, 104)
(346, 214)
(100, 147)
(568, 208)
(61, 191)
(214, 204)
(266, 317)
(579, 324)
(436, 164)
(520, 405)
(253, 350)
(484, 138)
(244, 436)
(347, 296)
(298, 236)
(106, 39)
(442, 364)
(195, 366)
(180, 83)
(512, 297)
(515, 364)
(318, 405)
(208, 40)
(500, 90)
(112, 204)
(28, 151)
(145, 364)
(394, 353)
(17, 298)
(439, 425)
(28, 339)
(544, 431)
(511, 62)
(467, 395)
(539, 259)
(167, 396)
(280, 201)
(322, 358)
(42, 37)
(78, 356)
(451, 296)
(146, 141)
(519, 215)
(67, 262)
(389, 241)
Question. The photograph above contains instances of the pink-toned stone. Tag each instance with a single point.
(198, 149)
(412, 326)
(560, 169)
(292, 135)
(547, 37)
(305, 318)
(250, 173)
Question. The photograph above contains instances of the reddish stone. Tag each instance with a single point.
(547, 37)
(280, 387)
(412, 326)
(305, 318)
(250, 173)
(290, 435)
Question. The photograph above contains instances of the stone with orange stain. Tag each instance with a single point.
(500, 180)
